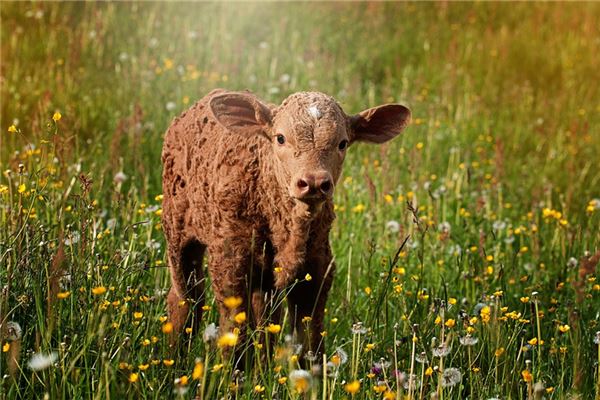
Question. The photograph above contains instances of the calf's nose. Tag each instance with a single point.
(313, 184)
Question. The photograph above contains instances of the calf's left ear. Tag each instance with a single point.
(379, 124)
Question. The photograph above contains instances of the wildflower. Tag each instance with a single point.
(167, 327)
(259, 388)
(485, 313)
(572, 262)
(358, 208)
(12, 129)
(143, 367)
(182, 380)
(358, 329)
(564, 328)
(308, 277)
(63, 295)
(168, 362)
(198, 370)
(240, 317)
(441, 351)
(499, 352)
(97, 291)
(450, 323)
(300, 380)
(392, 226)
(232, 302)
(217, 367)
(429, 371)
(421, 358)
(170, 106)
(228, 339)
(352, 387)
(120, 177)
(41, 361)
(444, 227)
(210, 333)
(468, 340)
(451, 376)
(527, 377)
(341, 356)
(57, 116)
(138, 315)
(133, 377)
(5, 347)
(274, 328)
(22, 188)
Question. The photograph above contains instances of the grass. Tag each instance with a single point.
(493, 295)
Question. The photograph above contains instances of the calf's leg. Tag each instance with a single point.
(187, 278)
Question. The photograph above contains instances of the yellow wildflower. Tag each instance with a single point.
(240, 317)
(167, 327)
(228, 339)
(352, 387)
(63, 295)
(232, 302)
(57, 116)
(169, 362)
(133, 377)
(12, 129)
(274, 328)
(198, 370)
(97, 291)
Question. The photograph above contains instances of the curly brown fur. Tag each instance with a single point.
(261, 208)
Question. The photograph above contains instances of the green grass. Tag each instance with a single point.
(503, 150)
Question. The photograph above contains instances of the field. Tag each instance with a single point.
(495, 186)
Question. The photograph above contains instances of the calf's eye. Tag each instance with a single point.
(280, 139)
(343, 144)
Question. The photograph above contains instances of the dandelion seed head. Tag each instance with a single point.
(358, 329)
(120, 177)
(301, 380)
(468, 340)
(210, 333)
(392, 226)
(451, 377)
(13, 331)
(41, 361)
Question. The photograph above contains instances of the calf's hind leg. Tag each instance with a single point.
(187, 278)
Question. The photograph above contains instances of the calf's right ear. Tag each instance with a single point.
(241, 113)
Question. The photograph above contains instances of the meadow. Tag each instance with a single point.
(467, 249)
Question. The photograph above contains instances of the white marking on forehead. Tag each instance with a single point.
(314, 112)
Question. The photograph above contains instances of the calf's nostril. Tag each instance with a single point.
(325, 186)
(302, 184)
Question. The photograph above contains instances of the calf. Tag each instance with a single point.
(252, 183)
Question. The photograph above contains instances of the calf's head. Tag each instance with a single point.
(310, 134)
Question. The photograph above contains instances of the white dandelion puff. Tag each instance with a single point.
(393, 226)
(13, 331)
(210, 333)
(468, 340)
(120, 177)
(451, 377)
(40, 361)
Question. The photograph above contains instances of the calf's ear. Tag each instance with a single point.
(241, 113)
(379, 124)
